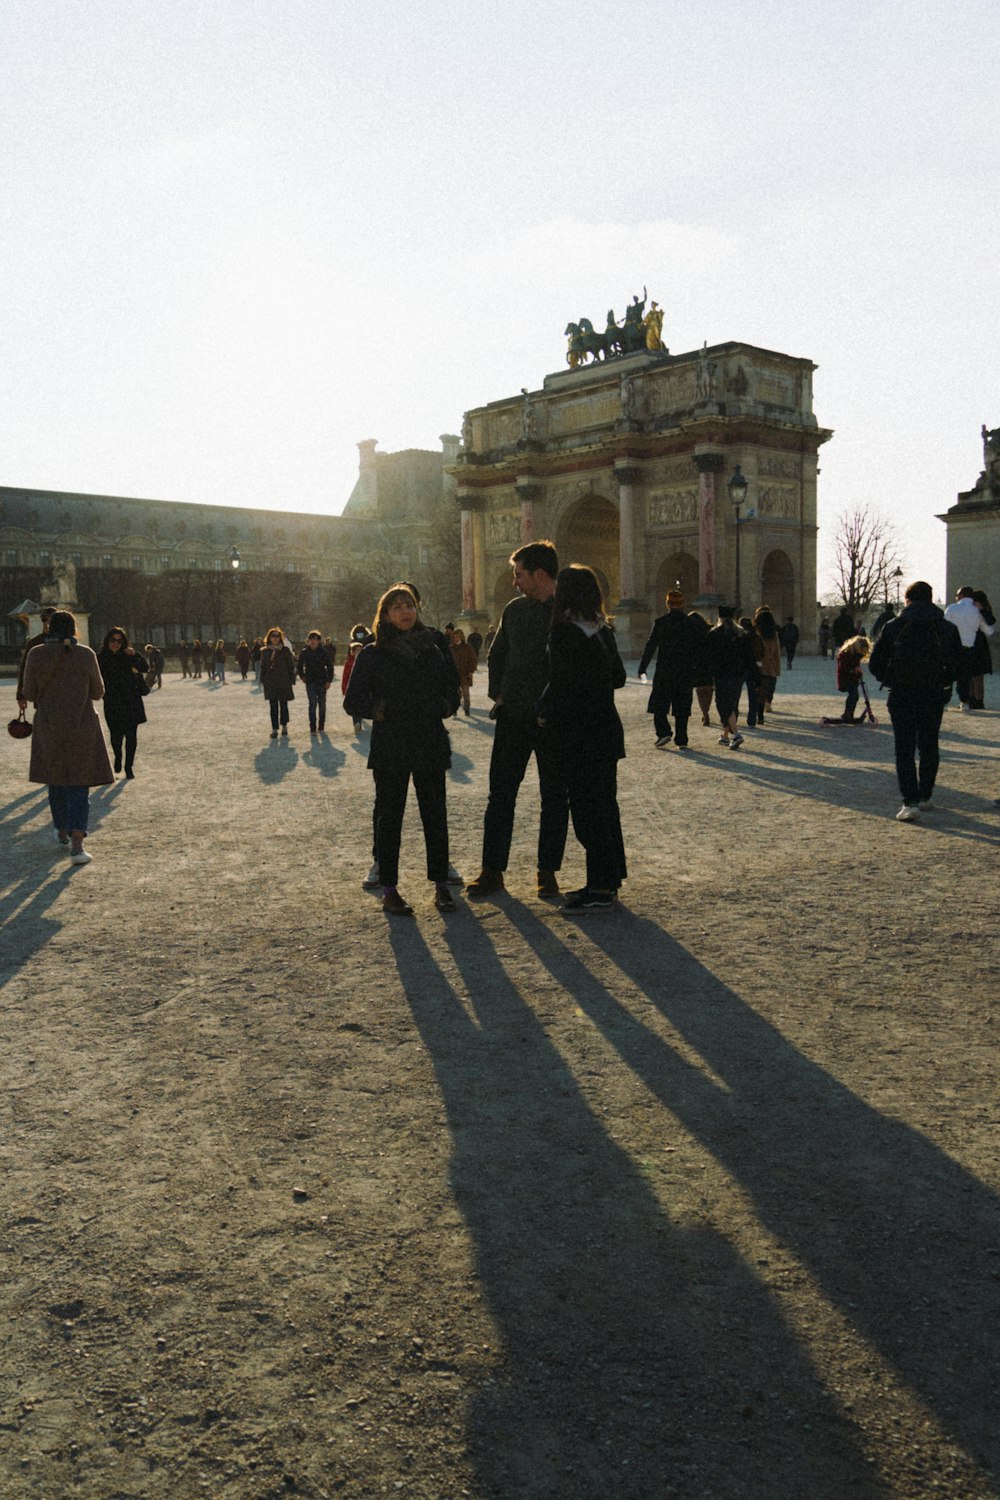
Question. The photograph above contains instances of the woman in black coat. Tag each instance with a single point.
(579, 705)
(277, 678)
(124, 670)
(403, 684)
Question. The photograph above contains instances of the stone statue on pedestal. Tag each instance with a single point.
(61, 591)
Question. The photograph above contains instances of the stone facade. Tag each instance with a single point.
(391, 527)
(624, 464)
(973, 523)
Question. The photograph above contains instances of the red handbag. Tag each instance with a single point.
(19, 728)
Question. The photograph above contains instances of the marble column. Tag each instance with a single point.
(478, 557)
(467, 503)
(528, 491)
(709, 464)
(627, 476)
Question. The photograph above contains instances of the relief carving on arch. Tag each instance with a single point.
(503, 529)
(778, 466)
(779, 500)
(673, 507)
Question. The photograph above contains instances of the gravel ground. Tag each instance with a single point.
(693, 1198)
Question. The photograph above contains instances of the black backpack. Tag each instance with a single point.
(919, 659)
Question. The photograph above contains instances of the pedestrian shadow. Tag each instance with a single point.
(275, 761)
(635, 1350)
(22, 809)
(24, 926)
(897, 1234)
(460, 768)
(103, 802)
(866, 789)
(323, 756)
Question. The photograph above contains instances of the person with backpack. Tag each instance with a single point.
(789, 640)
(917, 657)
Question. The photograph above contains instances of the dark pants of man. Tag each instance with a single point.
(391, 786)
(964, 674)
(675, 698)
(593, 805)
(916, 723)
(515, 741)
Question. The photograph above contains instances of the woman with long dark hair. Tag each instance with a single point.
(766, 627)
(123, 669)
(277, 677)
(403, 684)
(578, 704)
(68, 753)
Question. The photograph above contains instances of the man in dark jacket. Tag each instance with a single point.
(842, 629)
(518, 673)
(36, 640)
(789, 640)
(315, 669)
(917, 657)
(675, 641)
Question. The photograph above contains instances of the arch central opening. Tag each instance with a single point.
(588, 533)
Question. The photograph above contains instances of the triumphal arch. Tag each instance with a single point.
(624, 459)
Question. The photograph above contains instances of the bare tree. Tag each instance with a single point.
(865, 557)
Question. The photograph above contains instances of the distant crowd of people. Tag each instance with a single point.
(553, 668)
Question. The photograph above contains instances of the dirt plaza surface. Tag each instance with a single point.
(692, 1198)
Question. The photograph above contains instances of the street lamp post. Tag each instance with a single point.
(234, 562)
(738, 487)
(897, 575)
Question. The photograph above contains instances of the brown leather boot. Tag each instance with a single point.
(546, 883)
(485, 883)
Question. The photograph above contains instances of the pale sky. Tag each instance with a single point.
(238, 237)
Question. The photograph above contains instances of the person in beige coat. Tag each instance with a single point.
(68, 753)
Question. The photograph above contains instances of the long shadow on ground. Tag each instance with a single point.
(900, 1237)
(641, 1357)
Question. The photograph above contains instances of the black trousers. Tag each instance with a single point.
(916, 724)
(515, 741)
(593, 805)
(391, 786)
(674, 698)
(130, 736)
(964, 674)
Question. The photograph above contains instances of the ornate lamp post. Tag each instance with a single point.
(738, 487)
(234, 562)
(897, 575)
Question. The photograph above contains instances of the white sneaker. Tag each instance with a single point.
(80, 857)
(927, 806)
(454, 878)
(372, 879)
(908, 813)
(60, 838)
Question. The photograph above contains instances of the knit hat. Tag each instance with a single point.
(675, 599)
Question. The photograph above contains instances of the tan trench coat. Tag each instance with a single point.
(67, 747)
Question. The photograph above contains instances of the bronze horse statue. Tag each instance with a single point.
(583, 340)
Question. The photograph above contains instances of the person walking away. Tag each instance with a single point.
(476, 642)
(126, 675)
(36, 640)
(68, 753)
(842, 629)
(184, 657)
(849, 674)
(969, 621)
(517, 668)
(729, 656)
(882, 620)
(789, 640)
(752, 680)
(219, 661)
(769, 665)
(154, 666)
(403, 683)
(917, 657)
(277, 676)
(315, 670)
(466, 661)
(675, 641)
(824, 637)
(982, 659)
(578, 706)
(704, 687)
(196, 658)
(242, 654)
